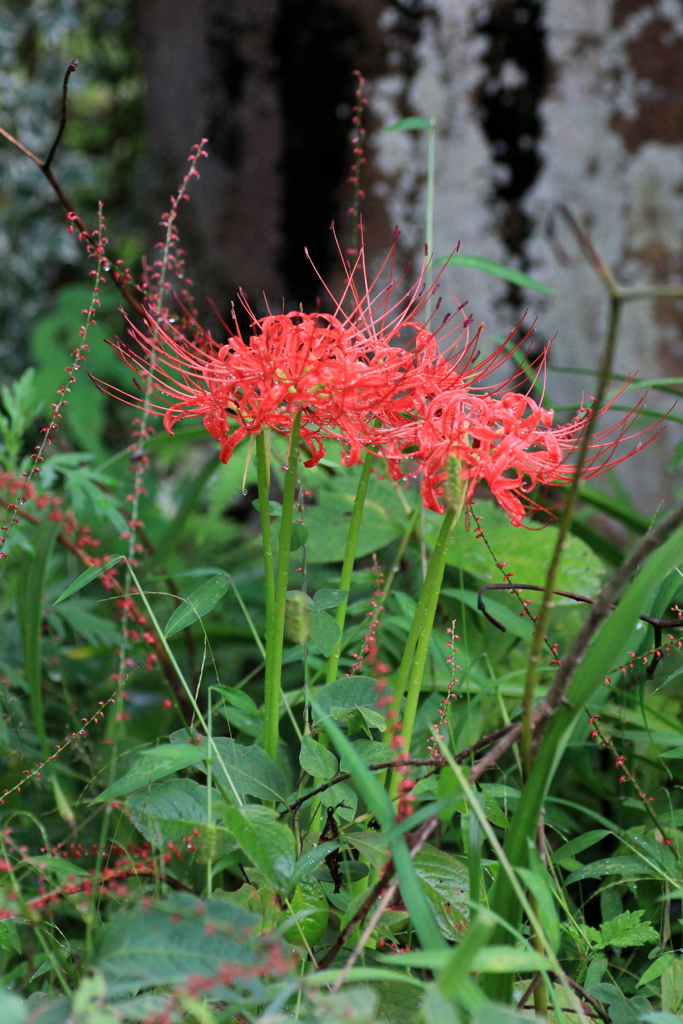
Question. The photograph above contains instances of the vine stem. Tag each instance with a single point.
(275, 628)
(547, 601)
(349, 562)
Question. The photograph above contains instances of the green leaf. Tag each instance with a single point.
(349, 693)
(177, 938)
(274, 507)
(527, 550)
(511, 274)
(13, 1009)
(626, 867)
(515, 624)
(267, 843)
(170, 811)
(537, 882)
(90, 574)
(370, 752)
(341, 797)
(446, 885)
(299, 536)
(490, 959)
(656, 969)
(409, 124)
(373, 719)
(324, 631)
(627, 930)
(238, 699)
(253, 773)
(578, 845)
(30, 610)
(317, 760)
(676, 753)
(200, 602)
(153, 765)
(312, 860)
(309, 898)
(329, 598)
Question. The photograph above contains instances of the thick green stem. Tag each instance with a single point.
(424, 614)
(349, 561)
(263, 476)
(547, 601)
(276, 628)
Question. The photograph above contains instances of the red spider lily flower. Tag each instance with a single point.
(509, 442)
(343, 371)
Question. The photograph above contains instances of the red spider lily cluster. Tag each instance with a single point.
(378, 378)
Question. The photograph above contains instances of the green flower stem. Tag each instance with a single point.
(275, 628)
(424, 613)
(418, 617)
(263, 476)
(349, 561)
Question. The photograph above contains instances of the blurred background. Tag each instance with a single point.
(535, 102)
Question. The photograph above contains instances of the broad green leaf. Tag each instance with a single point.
(310, 898)
(446, 884)
(527, 551)
(676, 753)
(349, 693)
(324, 631)
(172, 811)
(373, 719)
(656, 969)
(200, 602)
(370, 752)
(274, 507)
(409, 124)
(493, 959)
(299, 536)
(152, 765)
(88, 576)
(672, 987)
(324, 598)
(177, 938)
(267, 843)
(317, 760)
(512, 274)
(342, 798)
(625, 930)
(13, 1009)
(238, 699)
(253, 773)
(579, 844)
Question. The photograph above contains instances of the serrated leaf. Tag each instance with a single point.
(627, 930)
(267, 843)
(200, 602)
(409, 124)
(496, 269)
(317, 760)
(176, 939)
(324, 631)
(88, 576)
(153, 765)
(325, 598)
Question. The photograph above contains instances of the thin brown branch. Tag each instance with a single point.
(62, 124)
